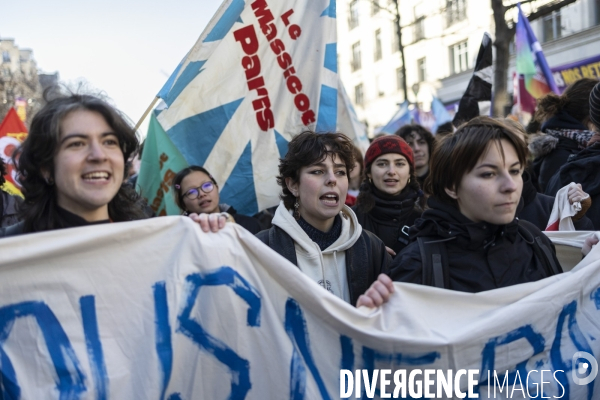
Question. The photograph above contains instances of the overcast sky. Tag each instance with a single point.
(126, 48)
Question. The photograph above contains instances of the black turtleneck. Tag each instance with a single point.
(421, 179)
(391, 216)
(71, 220)
(323, 239)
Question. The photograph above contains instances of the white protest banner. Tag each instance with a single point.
(157, 309)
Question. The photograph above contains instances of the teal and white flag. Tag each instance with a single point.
(261, 73)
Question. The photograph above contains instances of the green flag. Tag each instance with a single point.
(159, 159)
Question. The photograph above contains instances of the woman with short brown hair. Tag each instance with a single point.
(313, 228)
(469, 239)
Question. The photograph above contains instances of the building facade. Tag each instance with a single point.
(441, 39)
(19, 83)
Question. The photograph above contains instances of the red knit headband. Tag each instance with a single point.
(388, 144)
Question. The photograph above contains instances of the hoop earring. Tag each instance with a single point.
(49, 181)
(296, 214)
(408, 180)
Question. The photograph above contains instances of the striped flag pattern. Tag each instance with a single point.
(260, 73)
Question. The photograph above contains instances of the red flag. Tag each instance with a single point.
(12, 133)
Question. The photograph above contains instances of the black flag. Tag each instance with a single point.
(478, 96)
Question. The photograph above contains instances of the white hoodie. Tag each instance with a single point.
(327, 268)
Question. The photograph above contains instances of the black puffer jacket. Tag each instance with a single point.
(583, 168)
(365, 260)
(537, 208)
(551, 152)
(481, 256)
(391, 218)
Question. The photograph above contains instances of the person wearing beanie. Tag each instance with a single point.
(390, 199)
(565, 121)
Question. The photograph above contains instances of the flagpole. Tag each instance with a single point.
(137, 126)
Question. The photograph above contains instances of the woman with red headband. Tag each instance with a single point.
(390, 199)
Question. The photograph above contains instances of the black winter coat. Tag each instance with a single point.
(547, 165)
(582, 168)
(537, 208)
(550, 152)
(365, 260)
(481, 256)
(390, 219)
(251, 224)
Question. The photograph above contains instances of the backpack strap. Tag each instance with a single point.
(539, 247)
(548, 256)
(434, 261)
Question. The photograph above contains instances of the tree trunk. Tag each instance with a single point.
(503, 36)
(400, 47)
(499, 91)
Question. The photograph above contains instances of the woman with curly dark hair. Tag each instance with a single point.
(422, 143)
(390, 199)
(72, 167)
(312, 226)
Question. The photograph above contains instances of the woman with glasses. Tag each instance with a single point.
(197, 192)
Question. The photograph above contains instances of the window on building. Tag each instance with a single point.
(374, 7)
(456, 10)
(597, 6)
(399, 78)
(353, 16)
(377, 45)
(552, 26)
(419, 25)
(356, 64)
(459, 57)
(5, 56)
(358, 95)
(395, 43)
(421, 69)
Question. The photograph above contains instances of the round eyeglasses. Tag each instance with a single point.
(194, 193)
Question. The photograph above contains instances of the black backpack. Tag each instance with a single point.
(434, 257)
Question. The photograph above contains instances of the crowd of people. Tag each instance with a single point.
(462, 211)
